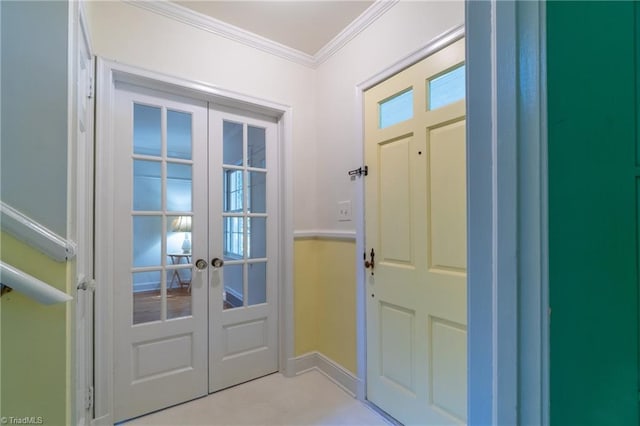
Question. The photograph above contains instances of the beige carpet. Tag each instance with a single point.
(308, 399)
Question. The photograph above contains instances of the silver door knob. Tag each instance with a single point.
(201, 264)
(217, 262)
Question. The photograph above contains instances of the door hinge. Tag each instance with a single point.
(364, 170)
(90, 89)
(89, 398)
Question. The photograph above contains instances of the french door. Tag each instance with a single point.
(195, 246)
(416, 241)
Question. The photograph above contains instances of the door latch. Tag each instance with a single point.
(369, 264)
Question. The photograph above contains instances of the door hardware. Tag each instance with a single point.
(359, 171)
(217, 262)
(201, 264)
(369, 264)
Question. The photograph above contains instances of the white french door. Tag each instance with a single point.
(195, 246)
(242, 328)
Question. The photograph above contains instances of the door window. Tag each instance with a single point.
(161, 214)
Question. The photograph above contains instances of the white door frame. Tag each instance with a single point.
(110, 72)
(507, 297)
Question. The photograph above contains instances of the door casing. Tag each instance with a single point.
(108, 74)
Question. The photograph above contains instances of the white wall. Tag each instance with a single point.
(325, 139)
(405, 28)
(131, 35)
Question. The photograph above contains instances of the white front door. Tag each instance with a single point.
(194, 286)
(416, 226)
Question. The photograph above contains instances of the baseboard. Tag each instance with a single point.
(334, 371)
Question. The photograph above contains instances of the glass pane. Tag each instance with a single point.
(146, 296)
(447, 88)
(178, 239)
(256, 147)
(147, 237)
(147, 131)
(233, 295)
(233, 191)
(179, 134)
(178, 293)
(233, 238)
(257, 192)
(257, 283)
(232, 140)
(396, 109)
(147, 185)
(178, 187)
(257, 237)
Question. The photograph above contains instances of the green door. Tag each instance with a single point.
(594, 177)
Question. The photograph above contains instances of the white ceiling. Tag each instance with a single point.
(304, 25)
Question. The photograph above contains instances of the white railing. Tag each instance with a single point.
(36, 235)
(30, 286)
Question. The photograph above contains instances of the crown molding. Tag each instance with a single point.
(369, 16)
(231, 32)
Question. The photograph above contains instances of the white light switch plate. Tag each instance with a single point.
(344, 211)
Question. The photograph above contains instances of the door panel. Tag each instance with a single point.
(416, 223)
(243, 211)
(160, 220)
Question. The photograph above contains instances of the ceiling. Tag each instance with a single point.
(304, 25)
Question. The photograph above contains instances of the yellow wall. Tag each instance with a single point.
(35, 343)
(325, 299)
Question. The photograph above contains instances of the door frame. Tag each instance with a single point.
(507, 297)
(108, 74)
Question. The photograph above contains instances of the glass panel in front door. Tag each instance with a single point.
(161, 215)
(244, 216)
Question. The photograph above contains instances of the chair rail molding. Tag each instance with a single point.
(35, 234)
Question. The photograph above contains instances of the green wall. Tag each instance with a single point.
(35, 342)
(593, 212)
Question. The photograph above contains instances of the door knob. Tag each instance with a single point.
(201, 264)
(217, 262)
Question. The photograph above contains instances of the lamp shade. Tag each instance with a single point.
(181, 224)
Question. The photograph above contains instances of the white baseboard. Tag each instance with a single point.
(334, 371)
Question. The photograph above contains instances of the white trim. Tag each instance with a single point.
(506, 174)
(533, 333)
(110, 72)
(369, 16)
(38, 290)
(231, 32)
(286, 309)
(431, 47)
(334, 371)
(33, 233)
(324, 235)
(437, 43)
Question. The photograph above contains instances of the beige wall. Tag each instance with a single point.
(325, 295)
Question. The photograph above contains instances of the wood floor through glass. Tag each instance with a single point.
(147, 304)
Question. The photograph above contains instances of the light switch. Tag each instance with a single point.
(344, 211)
